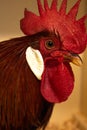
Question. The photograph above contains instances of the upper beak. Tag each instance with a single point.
(74, 58)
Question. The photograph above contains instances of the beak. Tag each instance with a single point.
(69, 57)
(74, 58)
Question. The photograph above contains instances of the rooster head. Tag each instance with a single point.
(66, 38)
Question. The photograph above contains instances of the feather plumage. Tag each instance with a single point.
(21, 104)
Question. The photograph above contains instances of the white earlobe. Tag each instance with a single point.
(35, 61)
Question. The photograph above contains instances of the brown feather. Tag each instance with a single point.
(21, 105)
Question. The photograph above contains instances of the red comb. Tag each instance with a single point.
(52, 20)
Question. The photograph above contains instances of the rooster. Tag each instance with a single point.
(35, 71)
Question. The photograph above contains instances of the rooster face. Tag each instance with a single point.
(50, 64)
(65, 40)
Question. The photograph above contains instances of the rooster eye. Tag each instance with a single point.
(49, 44)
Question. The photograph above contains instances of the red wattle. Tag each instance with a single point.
(57, 82)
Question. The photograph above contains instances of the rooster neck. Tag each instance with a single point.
(21, 103)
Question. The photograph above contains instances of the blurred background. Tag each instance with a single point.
(11, 11)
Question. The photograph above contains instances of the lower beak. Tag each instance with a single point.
(74, 58)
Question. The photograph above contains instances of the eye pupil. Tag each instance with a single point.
(49, 44)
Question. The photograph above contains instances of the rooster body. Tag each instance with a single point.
(21, 103)
(35, 70)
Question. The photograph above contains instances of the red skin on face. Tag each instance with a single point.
(57, 80)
